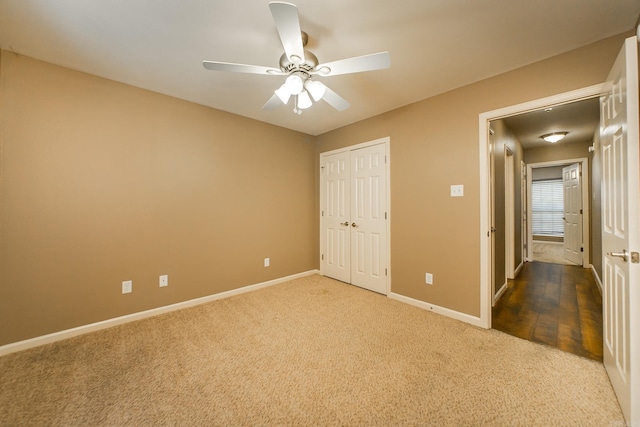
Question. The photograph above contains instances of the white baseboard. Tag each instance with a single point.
(92, 327)
(498, 294)
(595, 276)
(475, 321)
(518, 268)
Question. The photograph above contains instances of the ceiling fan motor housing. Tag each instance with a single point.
(307, 66)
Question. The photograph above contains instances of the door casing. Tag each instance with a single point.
(485, 181)
(586, 214)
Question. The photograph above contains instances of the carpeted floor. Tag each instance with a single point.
(312, 351)
(552, 252)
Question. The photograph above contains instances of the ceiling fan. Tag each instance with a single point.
(301, 66)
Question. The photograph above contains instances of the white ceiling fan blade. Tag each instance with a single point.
(240, 68)
(273, 103)
(358, 64)
(335, 100)
(285, 16)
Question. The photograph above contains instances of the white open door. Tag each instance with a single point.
(621, 230)
(572, 213)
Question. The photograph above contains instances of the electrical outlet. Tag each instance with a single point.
(428, 278)
(457, 190)
(164, 280)
(127, 286)
(267, 262)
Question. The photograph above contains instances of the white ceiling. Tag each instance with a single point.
(435, 45)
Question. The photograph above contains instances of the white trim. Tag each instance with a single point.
(518, 268)
(472, 320)
(501, 291)
(595, 276)
(586, 212)
(92, 327)
(509, 214)
(385, 140)
(485, 182)
(387, 152)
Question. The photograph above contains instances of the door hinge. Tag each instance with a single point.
(581, 249)
(385, 160)
(385, 215)
(322, 214)
(580, 211)
(322, 257)
(385, 271)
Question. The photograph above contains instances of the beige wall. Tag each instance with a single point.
(568, 151)
(102, 182)
(434, 144)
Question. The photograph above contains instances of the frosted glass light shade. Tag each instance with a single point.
(554, 137)
(294, 84)
(283, 93)
(304, 101)
(316, 89)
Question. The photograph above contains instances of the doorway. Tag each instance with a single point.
(486, 181)
(548, 303)
(354, 215)
(572, 234)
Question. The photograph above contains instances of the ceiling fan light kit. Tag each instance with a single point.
(300, 65)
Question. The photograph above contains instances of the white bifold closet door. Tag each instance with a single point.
(353, 217)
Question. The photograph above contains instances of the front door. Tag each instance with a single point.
(621, 230)
(354, 217)
(572, 213)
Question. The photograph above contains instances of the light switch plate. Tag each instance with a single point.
(457, 190)
(164, 280)
(127, 286)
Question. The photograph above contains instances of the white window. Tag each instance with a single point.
(547, 208)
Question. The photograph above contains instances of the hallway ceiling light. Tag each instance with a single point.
(554, 137)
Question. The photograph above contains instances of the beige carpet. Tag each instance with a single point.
(552, 252)
(312, 351)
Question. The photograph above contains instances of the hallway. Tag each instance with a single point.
(556, 305)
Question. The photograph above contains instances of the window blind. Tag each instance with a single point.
(547, 207)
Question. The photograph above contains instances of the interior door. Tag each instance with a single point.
(335, 216)
(620, 230)
(368, 218)
(572, 186)
(353, 221)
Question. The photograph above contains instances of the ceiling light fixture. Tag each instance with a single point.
(304, 101)
(316, 89)
(554, 137)
(295, 84)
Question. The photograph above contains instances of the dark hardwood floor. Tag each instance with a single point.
(553, 304)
